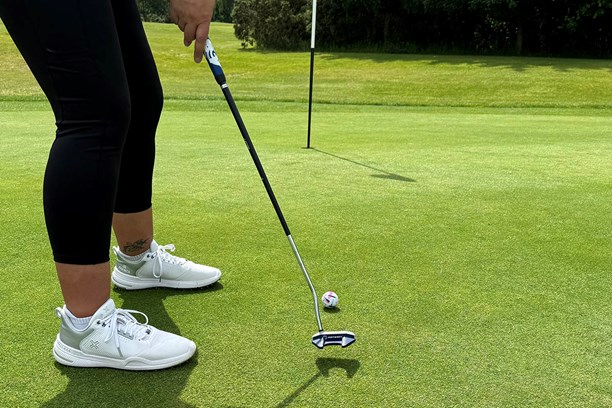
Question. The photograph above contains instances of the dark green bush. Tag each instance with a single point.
(154, 10)
(524, 27)
(279, 24)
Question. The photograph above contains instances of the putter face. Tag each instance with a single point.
(333, 338)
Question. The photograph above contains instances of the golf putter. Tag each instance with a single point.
(322, 338)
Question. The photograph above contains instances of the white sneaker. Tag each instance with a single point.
(115, 339)
(158, 268)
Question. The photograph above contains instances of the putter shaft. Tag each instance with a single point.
(321, 338)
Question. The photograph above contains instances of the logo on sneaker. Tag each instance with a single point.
(123, 268)
(94, 344)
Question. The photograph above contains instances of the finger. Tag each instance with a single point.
(190, 33)
(200, 38)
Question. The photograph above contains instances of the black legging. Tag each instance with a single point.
(92, 60)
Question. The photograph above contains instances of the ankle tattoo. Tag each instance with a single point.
(136, 246)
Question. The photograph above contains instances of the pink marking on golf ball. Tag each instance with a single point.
(330, 299)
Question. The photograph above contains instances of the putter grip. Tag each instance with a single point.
(213, 62)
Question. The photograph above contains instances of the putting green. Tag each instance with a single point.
(468, 236)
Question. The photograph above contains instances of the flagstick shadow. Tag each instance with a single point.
(324, 365)
(385, 174)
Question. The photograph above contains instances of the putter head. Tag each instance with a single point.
(333, 338)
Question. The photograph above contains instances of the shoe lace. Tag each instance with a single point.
(161, 255)
(121, 322)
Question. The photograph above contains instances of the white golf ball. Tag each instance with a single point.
(330, 299)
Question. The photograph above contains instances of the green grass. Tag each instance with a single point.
(366, 79)
(459, 206)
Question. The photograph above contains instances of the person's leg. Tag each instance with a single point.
(73, 51)
(72, 48)
(134, 231)
(141, 262)
(133, 218)
(84, 287)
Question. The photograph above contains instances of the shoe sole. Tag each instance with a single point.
(129, 282)
(69, 356)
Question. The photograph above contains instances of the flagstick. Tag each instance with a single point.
(312, 52)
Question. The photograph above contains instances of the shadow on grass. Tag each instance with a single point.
(324, 365)
(385, 174)
(518, 64)
(105, 387)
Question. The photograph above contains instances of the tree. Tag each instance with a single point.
(223, 11)
(533, 27)
(500, 19)
(281, 24)
(154, 10)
